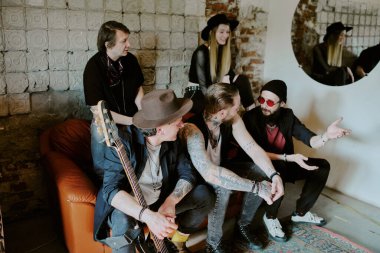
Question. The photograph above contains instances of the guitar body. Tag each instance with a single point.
(152, 244)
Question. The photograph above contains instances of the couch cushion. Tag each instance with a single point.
(73, 138)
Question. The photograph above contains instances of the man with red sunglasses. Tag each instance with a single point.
(273, 126)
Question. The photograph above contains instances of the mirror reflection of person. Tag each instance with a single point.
(367, 60)
(211, 63)
(328, 66)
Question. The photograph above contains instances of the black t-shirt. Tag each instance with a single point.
(120, 98)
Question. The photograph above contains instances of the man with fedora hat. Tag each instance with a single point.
(211, 63)
(273, 126)
(328, 65)
(208, 138)
(165, 176)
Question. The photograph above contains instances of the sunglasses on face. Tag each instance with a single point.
(269, 102)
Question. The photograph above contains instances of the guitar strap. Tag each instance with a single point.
(116, 242)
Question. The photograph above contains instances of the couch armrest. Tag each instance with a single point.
(72, 183)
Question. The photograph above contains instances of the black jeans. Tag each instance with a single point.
(315, 181)
(217, 215)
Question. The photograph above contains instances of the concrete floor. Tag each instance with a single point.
(348, 217)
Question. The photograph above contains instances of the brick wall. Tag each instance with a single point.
(44, 46)
(249, 41)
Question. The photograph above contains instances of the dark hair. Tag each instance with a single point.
(107, 33)
(147, 132)
(219, 96)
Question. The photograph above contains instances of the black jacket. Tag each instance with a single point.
(290, 126)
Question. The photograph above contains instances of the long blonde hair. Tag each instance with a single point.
(334, 51)
(225, 61)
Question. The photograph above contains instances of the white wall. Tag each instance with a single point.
(355, 170)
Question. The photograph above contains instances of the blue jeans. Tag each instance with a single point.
(98, 148)
(217, 215)
(191, 211)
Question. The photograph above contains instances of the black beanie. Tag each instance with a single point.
(278, 87)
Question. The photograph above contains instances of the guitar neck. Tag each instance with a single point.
(160, 246)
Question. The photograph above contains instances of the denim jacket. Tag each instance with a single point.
(174, 165)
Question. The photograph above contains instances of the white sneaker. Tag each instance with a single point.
(309, 218)
(274, 229)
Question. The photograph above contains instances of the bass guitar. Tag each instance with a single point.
(113, 140)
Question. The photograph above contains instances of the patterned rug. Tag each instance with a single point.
(308, 238)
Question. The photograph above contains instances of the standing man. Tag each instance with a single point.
(113, 74)
(164, 174)
(208, 141)
(274, 126)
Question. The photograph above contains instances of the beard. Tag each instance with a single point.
(273, 118)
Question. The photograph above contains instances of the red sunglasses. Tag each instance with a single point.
(270, 103)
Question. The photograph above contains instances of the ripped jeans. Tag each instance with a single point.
(217, 215)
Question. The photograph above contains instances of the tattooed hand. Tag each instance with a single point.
(263, 189)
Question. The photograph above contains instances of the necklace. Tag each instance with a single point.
(213, 138)
(154, 168)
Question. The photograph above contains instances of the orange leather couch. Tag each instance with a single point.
(66, 155)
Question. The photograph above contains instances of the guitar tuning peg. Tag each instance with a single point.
(107, 121)
(104, 110)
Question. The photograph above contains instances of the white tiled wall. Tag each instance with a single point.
(45, 44)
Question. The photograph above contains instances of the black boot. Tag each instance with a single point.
(245, 239)
(217, 249)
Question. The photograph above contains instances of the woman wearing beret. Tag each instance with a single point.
(328, 65)
(211, 63)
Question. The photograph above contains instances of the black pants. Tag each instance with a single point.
(315, 181)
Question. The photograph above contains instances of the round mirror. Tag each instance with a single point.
(337, 42)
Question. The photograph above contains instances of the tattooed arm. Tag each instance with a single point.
(257, 154)
(209, 171)
(250, 147)
(181, 189)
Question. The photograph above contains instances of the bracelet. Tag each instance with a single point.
(274, 174)
(285, 157)
(324, 138)
(192, 88)
(255, 187)
(141, 212)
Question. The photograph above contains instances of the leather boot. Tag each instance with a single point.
(245, 239)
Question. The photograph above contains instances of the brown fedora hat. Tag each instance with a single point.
(160, 107)
(216, 20)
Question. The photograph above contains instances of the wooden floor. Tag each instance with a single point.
(351, 218)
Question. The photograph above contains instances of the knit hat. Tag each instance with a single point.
(278, 87)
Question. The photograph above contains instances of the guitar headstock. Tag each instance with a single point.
(109, 128)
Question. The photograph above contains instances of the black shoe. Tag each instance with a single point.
(218, 249)
(245, 239)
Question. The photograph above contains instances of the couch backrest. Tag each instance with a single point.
(73, 138)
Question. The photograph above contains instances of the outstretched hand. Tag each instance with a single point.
(335, 132)
(300, 160)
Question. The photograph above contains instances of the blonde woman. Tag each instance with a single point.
(211, 63)
(328, 67)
